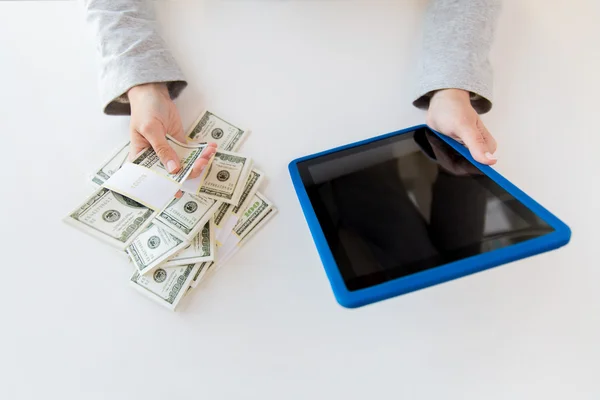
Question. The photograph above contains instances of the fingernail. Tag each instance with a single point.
(171, 166)
(490, 156)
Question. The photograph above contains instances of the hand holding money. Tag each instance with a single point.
(174, 239)
(153, 116)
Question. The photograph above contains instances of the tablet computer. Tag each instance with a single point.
(411, 209)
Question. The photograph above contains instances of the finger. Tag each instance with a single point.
(179, 194)
(156, 136)
(477, 143)
(133, 151)
(204, 160)
(137, 144)
(198, 167)
(211, 147)
(208, 152)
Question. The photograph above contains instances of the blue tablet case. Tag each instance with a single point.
(443, 273)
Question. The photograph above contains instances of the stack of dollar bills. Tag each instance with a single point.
(175, 247)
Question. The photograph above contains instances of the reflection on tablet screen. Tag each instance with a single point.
(408, 203)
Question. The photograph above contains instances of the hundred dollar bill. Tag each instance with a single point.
(111, 217)
(111, 165)
(152, 247)
(188, 154)
(253, 182)
(257, 208)
(227, 215)
(211, 128)
(226, 177)
(188, 214)
(201, 273)
(201, 249)
(259, 211)
(220, 215)
(256, 227)
(167, 286)
(220, 219)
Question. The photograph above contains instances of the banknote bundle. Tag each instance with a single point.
(176, 231)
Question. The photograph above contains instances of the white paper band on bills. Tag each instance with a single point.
(193, 185)
(143, 185)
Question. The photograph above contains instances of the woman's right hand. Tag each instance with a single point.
(153, 116)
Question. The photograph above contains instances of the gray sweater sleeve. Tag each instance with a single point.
(457, 38)
(131, 51)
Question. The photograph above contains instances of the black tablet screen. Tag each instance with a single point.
(408, 203)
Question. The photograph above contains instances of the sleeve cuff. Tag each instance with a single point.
(480, 95)
(120, 105)
(129, 72)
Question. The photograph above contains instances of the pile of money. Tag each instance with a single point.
(173, 248)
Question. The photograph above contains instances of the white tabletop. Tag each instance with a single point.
(305, 76)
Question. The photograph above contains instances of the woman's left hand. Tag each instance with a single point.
(451, 113)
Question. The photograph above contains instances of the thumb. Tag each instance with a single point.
(479, 141)
(155, 135)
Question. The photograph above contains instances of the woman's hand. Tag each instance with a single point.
(451, 113)
(153, 116)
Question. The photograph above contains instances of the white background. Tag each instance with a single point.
(305, 76)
